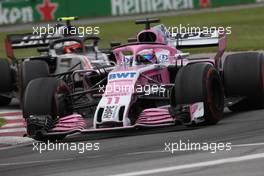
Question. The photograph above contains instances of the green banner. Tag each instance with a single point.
(13, 12)
(20, 11)
(219, 3)
(128, 7)
(51, 9)
(46, 10)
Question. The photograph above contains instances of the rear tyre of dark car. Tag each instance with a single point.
(4, 101)
(244, 77)
(44, 102)
(31, 70)
(6, 81)
(200, 82)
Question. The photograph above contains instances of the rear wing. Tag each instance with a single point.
(23, 41)
(201, 40)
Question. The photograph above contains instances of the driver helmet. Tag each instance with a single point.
(71, 46)
(148, 55)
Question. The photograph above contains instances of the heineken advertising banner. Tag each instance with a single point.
(24, 11)
(218, 3)
(127, 7)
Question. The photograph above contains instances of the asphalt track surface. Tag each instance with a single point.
(143, 152)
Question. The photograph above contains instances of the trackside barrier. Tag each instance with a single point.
(21, 11)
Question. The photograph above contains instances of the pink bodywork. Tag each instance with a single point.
(149, 117)
(139, 47)
(155, 116)
(69, 123)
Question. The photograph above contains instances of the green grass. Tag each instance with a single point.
(2, 122)
(247, 28)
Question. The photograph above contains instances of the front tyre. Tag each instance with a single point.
(45, 101)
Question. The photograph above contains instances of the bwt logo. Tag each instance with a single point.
(122, 75)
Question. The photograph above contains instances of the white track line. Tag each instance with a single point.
(248, 145)
(19, 117)
(163, 151)
(13, 125)
(47, 161)
(9, 111)
(12, 130)
(146, 152)
(195, 165)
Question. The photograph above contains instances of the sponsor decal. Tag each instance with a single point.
(47, 10)
(15, 14)
(126, 7)
(205, 3)
(124, 75)
(32, 41)
(108, 112)
(202, 34)
(110, 100)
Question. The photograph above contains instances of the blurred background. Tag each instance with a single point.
(115, 17)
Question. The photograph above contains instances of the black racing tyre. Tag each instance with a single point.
(46, 96)
(244, 77)
(200, 82)
(45, 99)
(6, 76)
(30, 70)
(6, 81)
(4, 101)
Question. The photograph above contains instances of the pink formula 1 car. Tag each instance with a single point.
(154, 84)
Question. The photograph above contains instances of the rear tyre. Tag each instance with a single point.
(6, 81)
(244, 77)
(46, 98)
(4, 101)
(200, 83)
